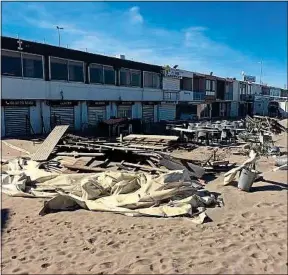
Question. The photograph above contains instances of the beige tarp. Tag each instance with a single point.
(133, 194)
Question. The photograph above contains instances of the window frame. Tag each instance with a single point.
(59, 80)
(191, 83)
(159, 75)
(102, 65)
(119, 74)
(22, 69)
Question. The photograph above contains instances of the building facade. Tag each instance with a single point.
(44, 86)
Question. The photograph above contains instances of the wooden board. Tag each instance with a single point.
(47, 147)
(151, 137)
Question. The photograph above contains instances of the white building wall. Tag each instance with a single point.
(2, 122)
(16, 88)
(185, 96)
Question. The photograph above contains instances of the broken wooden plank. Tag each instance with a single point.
(151, 137)
(76, 154)
(151, 163)
(84, 168)
(144, 167)
(49, 143)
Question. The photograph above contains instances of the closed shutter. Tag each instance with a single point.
(96, 114)
(167, 112)
(62, 116)
(124, 111)
(17, 121)
(148, 113)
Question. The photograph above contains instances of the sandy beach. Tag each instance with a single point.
(246, 236)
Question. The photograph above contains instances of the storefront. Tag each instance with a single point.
(96, 112)
(17, 117)
(62, 112)
(148, 111)
(167, 111)
(124, 109)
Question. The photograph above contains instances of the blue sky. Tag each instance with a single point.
(224, 37)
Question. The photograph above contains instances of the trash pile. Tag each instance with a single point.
(135, 176)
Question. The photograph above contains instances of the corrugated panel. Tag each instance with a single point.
(62, 116)
(49, 143)
(171, 84)
(167, 112)
(148, 113)
(124, 111)
(96, 114)
(16, 121)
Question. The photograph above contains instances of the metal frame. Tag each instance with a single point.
(22, 72)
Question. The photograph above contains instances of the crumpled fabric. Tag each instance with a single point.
(128, 193)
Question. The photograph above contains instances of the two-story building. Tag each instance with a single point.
(44, 85)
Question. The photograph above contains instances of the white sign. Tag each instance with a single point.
(173, 73)
(249, 78)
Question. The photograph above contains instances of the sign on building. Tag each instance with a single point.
(171, 72)
(249, 78)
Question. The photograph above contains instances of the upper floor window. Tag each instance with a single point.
(210, 85)
(151, 80)
(243, 88)
(63, 69)
(187, 83)
(102, 74)
(130, 78)
(22, 64)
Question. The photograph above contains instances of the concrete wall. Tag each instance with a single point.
(17, 88)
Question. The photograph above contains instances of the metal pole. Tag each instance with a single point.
(59, 38)
(260, 72)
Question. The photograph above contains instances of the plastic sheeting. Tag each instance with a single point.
(132, 194)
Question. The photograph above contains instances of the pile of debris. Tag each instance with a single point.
(263, 124)
(135, 176)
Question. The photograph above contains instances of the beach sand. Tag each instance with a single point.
(246, 236)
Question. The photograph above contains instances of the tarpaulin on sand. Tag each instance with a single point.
(129, 193)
